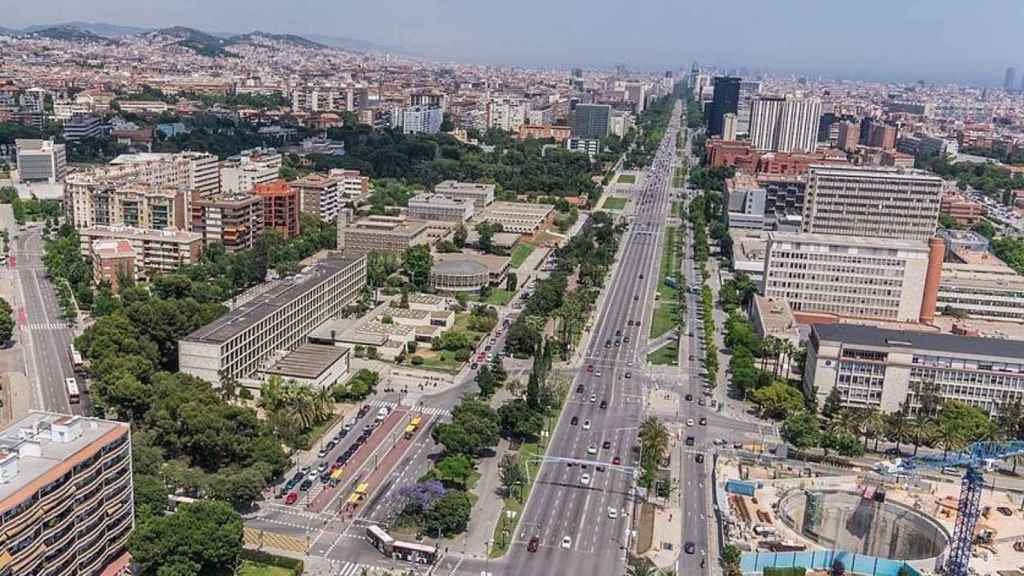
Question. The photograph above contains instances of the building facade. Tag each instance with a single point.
(889, 369)
(874, 202)
(281, 207)
(154, 251)
(417, 119)
(319, 196)
(518, 217)
(40, 161)
(844, 276)
(725, 100)
(234, 220)
(784, 124)
(379, 234)
(66, 496)
(480, 194)
(426, 206)
(241, 342)
(591, 121)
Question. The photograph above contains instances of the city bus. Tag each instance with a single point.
(72, 388)
(413, 426)
(398, 550)
(77, 362)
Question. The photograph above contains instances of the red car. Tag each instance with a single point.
(291, 498)
(590, 368)
(533, 545)
(616, 461)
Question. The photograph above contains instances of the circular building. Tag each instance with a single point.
(459, 275)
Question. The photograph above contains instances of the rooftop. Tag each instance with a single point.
(130, 233)
(851, 241)
(308, 361)
(537, 210)
(459, 266)
(925, 341)
(843, 171)
(494, 264)
(281, 293)
(42, 441)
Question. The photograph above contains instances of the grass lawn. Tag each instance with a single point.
(667, 355)
(679, 177)
(443, 361)
(250, 568)
(675, 208)
(519, 254)
(501, 540)
(627, 179)
(499, 297)
(664, 319)
(665, 316)
(612, 203)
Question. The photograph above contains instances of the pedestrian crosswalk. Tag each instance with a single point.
(48, 326)
(428, 410)
(356, 569)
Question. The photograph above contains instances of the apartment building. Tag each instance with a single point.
(65, 495)
(234, 220)
(887, 369)
(507, 114)
(244, 172)
(352, 185)
(427, 206)
(417, 119)
(784, 124)
(854, 277)
(518, 217)
(114, 203)
(963, 210)
(155, 251)
(245, 340)
(83, 126)
(379, 234)
(480, 194)
(319, 196)
(112, 262)
(280, 207)
(876, 202)
(544, 131)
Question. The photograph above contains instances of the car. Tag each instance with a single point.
(487, 348)
(574, 420)
(585, 479)
(591, 449)
(606, 445)
(618, 332)
(699, 458)
(590, 368)
(689, 421)
(533, 544)
(604, 404)
(474, 366)
(629, 362)
(641, 276)
(306, 484)
(363, 411)
(690, 548)
(291, 498)
(630, 322)
(579, 389)
(636, 297)
(613, 513)
(608, 343)
(322, 452)
(719, 442)
(689, 397)
(691, 357)
(593, 397)
(629, 375)
(598, 373)
(566, 542)
(625, 339)
(616, 461)
(703, 421)
(689, 440)
(700, 401)
(618, 343)
(586, 424)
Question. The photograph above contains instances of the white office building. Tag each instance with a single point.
(417, 120)
(788, 124)
(40, 161)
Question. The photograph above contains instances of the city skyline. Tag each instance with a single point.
(565, 36)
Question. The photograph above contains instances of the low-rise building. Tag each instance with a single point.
(234, 220)
(252, 167)
(82, 127)
(351, 185)
(467, 272)
(439, 207)
(319, 366)
(66, 494)
(480, 194)
(244, 340)
(981, 291)
(379, 233)
(963, 210)
(518, 217)
(154, 251)
(544, 132)
(888, 369)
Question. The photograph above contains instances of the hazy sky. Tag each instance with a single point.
(871, 39)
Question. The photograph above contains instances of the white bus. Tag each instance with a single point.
(72, 388)
(77, 363)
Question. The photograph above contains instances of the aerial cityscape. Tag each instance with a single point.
(441, 292)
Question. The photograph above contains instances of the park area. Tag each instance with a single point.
(626, 179)
(666, 315)
(613, 203)
(520, 253)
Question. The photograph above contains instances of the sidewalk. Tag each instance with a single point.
(668, 520)
(474, 542)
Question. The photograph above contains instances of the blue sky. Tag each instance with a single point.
(865, 39)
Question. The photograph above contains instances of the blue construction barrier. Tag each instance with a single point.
(756, 562)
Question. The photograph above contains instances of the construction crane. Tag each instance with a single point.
(975, 459)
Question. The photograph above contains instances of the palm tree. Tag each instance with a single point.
(923, 430)
(874, 425)
(950, 436)
(897, 425)
(641, 567)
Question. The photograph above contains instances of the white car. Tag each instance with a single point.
(585, 479)
(613, 513)
(566, 542)
(586, 424)
(689, 421)
(592, 449)
(593, 397)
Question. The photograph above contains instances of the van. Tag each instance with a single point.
(950, 471)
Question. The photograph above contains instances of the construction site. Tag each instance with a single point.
(786, 513)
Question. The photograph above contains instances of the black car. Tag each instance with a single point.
(607, 445)
(604, 403)
(703, 421)
(689, 440)
(363, 411)
(306, 484)
(574, 421)
(689, 397)
(690, 548)
(699, 458)
(579, 389)
(618, 332)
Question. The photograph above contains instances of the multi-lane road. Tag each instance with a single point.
(43, 334)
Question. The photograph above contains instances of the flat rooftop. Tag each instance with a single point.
(843, 171)
(853, 241)
(130, 233)
(35, 430)
(308, 361)
(536, 210)
(279, 295)
(925, 341)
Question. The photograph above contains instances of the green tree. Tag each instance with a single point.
(511, 473)
(833, 403)
(778, 400)
(519, 421)
(486, 381)
(474, 427)
(416, 263)
(199, 539)
(6, 321)
(150, 495)
(449, 514)
(459, 236)
(454, 471)
(802, 430)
